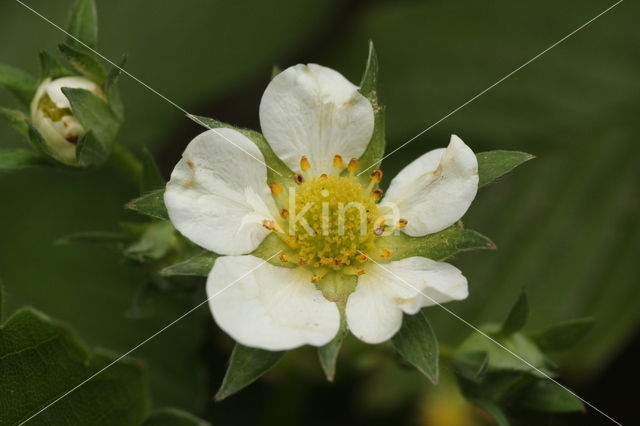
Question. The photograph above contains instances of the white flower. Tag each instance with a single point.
(219, 197)
(51, 115)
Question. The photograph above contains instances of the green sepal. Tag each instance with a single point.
(517, 317)
(546, 396)
(564, 335)
(90, 152)
(199, 265)
(94, 114)
(246, 365)
(83, 23)
(471, 365)
(22, 84)
(151, 204)
(173, 417)
(417, 343)
(369, 82)
(39, 144)
(270, 249)
(151, 178)
(156, 241)
(492, 410)
(42, 360)
(83, 62)
(277, 171)
(494, 164)
(17, 119)
(17, 158)
(111, 88)
(50, 67)
(438, 246)
(328, 354)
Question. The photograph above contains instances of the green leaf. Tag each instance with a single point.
(151, 177)
(111, 88)
(18, 82)
(564, 335)
(417, 343)
(83, 62)
(199, 265)
(90, 152)
(517, 316)
(471, 365)
(151, 204)
(493, 410)
(94, 114)
(18, 119)
(83, 23)
(438, 246)
(328, 354)
(277, 171)
(50, 67)
(173, 417)
(15, 159)
(544, 395)
(493, 164)
(41, 360)
(246, 365)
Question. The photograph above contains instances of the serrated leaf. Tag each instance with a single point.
(493, 164)
(544, 395)
(83, 23)
(246, 365)
(417, 343)
(199, 265)
(517, 316)
(94, 114)
(277, 171)
(21, 84)
(17, 119)
(50, 67)
(151, 204)
(41, 360)
(151, 177)
(111, 88)
(493, 410)
(328, 354)
(15, 159)
(90, 152)
(173, 417)
(471, 365)
(564, 335)
(83, 62)
(438, 246)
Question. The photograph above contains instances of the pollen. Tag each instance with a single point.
(386, 253)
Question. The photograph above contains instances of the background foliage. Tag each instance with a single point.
(566, 225)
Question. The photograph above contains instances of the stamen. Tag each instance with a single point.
(291, 242)
(298, 178)
(386, 253)
(360, 271)
(353, 166)
(402, 223)
(315, 279)
(337, 162)
(377, 194)
(271, 225)
(304, 163)
(303, 261)
(337, 261)
(361, 258)
(276, 188)
(376, 175)
(284, 213)
(283, 258)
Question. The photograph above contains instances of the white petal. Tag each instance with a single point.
(271, 307)
(218, 195)
(435, 191)
(374, 309)
(54, 89)
(314, 111)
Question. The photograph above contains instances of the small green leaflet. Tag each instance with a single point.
(493, 164)
(151, 204)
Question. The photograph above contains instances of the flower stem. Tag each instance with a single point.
(127, 163)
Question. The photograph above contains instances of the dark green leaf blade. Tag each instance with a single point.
(517, 316)
(151, 204)
(493, 164)
(15, 159)
(83, 23)
(41, 360)
(111, 88)
(173, 417)
(199, 265)
(94, 114)
(246, 365)
(83, 62)
(90, 152)
(544, 395)
(417, 343)
(21, 84)
(50, 67)
(564, 335)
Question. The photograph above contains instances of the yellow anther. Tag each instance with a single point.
(402, 223)
(283, 258)
(377, 194)
(276, 188)
(271, 225)
(361, 258)
(376, 175)
(303, 261)
(326, 261)
(360, 271)
(284, 213)
(386, 253)
(337, 261)
(304, 163)
(291, 242)
(298, 178)
(315, 279)
(337, 162)
(353, 166)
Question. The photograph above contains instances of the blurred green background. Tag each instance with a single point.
(567, 225)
